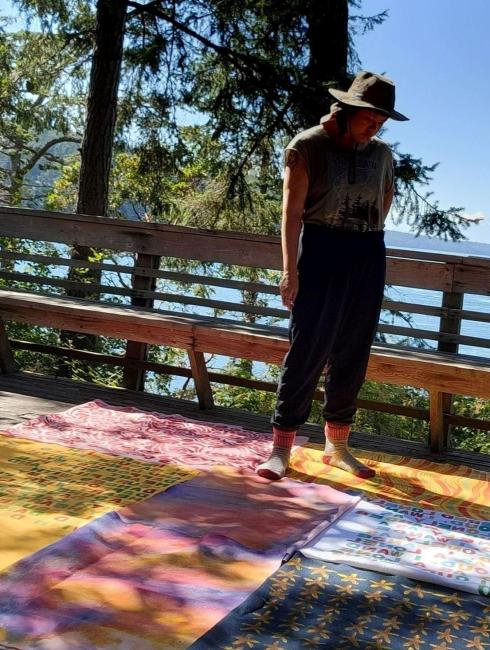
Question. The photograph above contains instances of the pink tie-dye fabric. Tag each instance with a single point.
(154, 437)
(160, 573)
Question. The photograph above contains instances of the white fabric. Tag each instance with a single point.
(413, 542)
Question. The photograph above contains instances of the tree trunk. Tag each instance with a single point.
(328, 40)
(96, 151)
(101, 108)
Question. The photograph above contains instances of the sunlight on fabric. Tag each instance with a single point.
(48, 491)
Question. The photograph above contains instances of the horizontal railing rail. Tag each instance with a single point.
(421, 269)
(437, 271)
(258, 310)
(139, 264)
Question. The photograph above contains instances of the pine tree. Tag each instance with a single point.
(257, 73)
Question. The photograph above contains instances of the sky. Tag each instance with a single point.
(438, 53)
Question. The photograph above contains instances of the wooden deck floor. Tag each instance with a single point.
(25, 395)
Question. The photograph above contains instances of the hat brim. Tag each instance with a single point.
(344, 98)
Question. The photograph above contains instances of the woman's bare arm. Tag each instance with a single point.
(295, 188)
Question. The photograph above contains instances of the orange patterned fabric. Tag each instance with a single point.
(455, 489)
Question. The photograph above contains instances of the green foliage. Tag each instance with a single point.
(252, 74)
(62, 194)
(33, 361)
(256, 401)
(160, 383)
(387, 424)
(40, 116)
(185, 186)
(423, 215)
(248, 399)
(465, 437)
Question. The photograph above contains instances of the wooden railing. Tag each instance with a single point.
(141, 255)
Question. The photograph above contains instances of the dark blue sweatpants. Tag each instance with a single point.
(333, 322)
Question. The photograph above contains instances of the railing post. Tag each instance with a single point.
(134, 378)
(451, 324)
(436, 420)
(201, 379)
(7, 361)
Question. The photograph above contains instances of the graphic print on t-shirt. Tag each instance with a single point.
(353, 198)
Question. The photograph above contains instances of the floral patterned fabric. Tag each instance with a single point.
(308, 603)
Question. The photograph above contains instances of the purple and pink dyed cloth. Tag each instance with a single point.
(161, 572)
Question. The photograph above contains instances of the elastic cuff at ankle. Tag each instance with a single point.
(283, 438)
(337, 431)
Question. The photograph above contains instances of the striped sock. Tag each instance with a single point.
(337, 453)
(276, 465)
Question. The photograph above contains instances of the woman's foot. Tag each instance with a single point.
(276, 465)
(274, 468)
(337, 452)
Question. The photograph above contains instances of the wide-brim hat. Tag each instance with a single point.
(370, 90)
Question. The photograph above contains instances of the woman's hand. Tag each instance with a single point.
(288, 288)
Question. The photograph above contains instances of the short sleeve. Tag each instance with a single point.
(300, 147)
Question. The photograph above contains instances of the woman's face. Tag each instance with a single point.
(364, 125)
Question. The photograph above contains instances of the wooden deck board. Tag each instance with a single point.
(24, 395)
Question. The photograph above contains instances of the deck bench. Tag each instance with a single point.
(443, 372)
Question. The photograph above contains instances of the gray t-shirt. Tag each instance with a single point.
(346, 187)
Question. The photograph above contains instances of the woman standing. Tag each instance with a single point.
(338, 189)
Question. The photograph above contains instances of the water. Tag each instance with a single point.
(472, 302)
(400, 294)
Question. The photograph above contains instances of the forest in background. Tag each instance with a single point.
(202, 98)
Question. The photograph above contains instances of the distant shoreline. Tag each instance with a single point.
(397, 239)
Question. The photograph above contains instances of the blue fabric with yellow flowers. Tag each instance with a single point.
(313, 604)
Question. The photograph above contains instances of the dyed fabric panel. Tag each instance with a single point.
(309, 603)
(454, 489)
(158, 574)
(47, 491)
(414, 542)
(152, 437)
